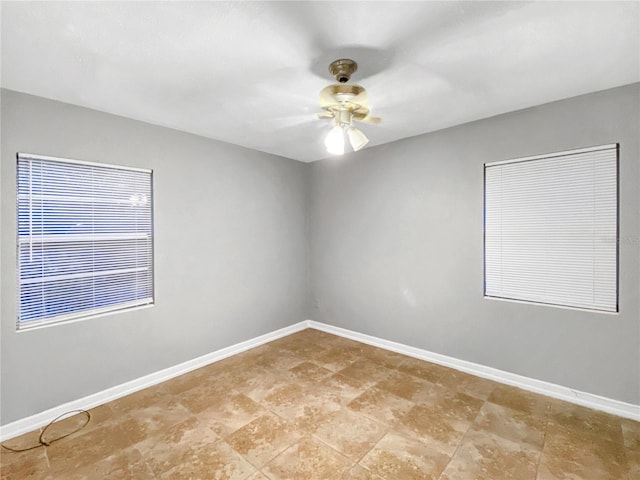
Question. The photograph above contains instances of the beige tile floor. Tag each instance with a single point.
(316, 406)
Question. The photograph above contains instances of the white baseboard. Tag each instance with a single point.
(615, 407)
(41, 419)
(604, 404)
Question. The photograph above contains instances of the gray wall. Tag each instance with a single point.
(395, 235)
(397, 247)
(230, 253)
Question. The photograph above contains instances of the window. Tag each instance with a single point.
(85, 239)
(551, 229)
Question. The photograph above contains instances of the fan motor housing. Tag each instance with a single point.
(345, 102)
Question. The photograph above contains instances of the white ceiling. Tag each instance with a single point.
(249, 73)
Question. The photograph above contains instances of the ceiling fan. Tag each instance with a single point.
(345, 103)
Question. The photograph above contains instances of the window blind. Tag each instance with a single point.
(85, 239)
(551, 228)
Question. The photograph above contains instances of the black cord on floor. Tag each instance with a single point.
(42, 442)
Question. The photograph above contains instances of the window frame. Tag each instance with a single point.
(85, 314)
(612, 146)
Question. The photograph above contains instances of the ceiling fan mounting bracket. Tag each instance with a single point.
(342, 69)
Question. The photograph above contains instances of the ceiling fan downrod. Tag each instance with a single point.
(342, 69)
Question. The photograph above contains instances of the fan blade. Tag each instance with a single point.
(367, 119)
(361, 99)
(420, 85)
(278, 123)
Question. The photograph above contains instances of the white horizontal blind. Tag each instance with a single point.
(85, 239)
(551, 225)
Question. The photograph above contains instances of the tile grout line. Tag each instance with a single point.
(353, 463)
(387, 430)
(544, 441)
(460, 442)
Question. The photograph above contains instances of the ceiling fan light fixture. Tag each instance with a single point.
(335, 141)
(357, 139)
(345, 103)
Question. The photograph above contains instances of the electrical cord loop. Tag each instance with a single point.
(46, 443)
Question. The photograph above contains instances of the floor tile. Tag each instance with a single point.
(567, 455)
(270, 358)
(175, 445)
(468, 384)
(335, 359)
(284, 395)
(384, 357)
(398, 457)
(410, 387)
(483, 456)
(32, 469)
(230, 414)
(25, 441)
(86, 448)
(217, 461)
(438, 432)
(421, 369)
(237, 377)
(31, 465)
(518, 399)
(124, 465)
(307, 412)
(263, 439)
(309, 459)
(233, 363)
(187, 381)
(336, 341)
(205, 395)
(261, 386)
(453, 405)
(147, 397)
(341, 388)
(364, 368)
(141, 423)
(308, 372)
(311, 335)
(361, 350)
(257, 476)
(359, 473)
(510, 424)
(350, 433)
(305, 349)
(630, 433)
(78, 421)
(381, 405)
(582, 419)
(631, 438)
(633, 460)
